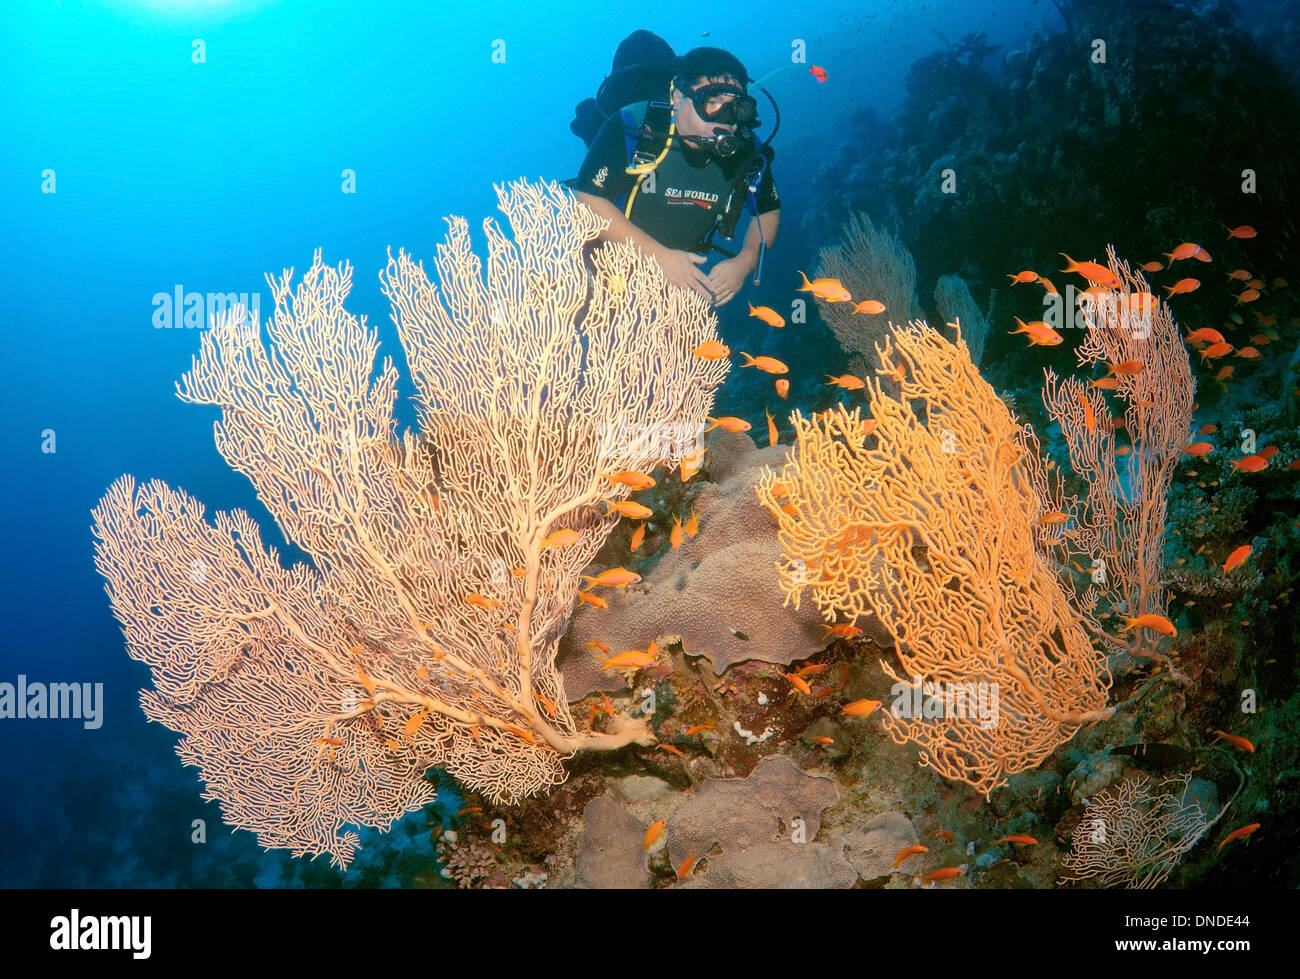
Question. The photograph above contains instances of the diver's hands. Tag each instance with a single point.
(726, 278)
(682, 268)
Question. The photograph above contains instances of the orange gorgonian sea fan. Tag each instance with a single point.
(1118, 526)
(424, 630)
(928, 517)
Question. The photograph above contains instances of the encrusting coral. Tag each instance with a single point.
(424, 631)
(927, 514)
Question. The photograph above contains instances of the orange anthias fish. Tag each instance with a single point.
(818, 72)
(631, 479)
(331, 742)
(769, 364)
(413, 723)
(1028, 275)
(798, 682)
(638, 536)
(695, 729)
(1126, 368)
(1046, 283)
(847, 381)
(831, 290)
(1198, 448)
(782, 387)
(561, 538)
(1152, 266)
(1241, 231)
(1091, 271)
(768, 315)
(613, 578)
(944, 873)
(1056, 518)
(595, 601)
(1142, 302)
(675, 538)
(909, 851)
(871, 307)
(1249, 296)
(1039, 333)
(845, 630)
(692, 464)
(633, 659)
(1236, 740)
(693, 525)
(1205, 334)
(1022, 840)
(519, 732)
(1237, 834)
(1156, 623)
(728, 423)
(1208, 429)
(366, 682)
(687, 866)
(712, 350)
(1239, 275)
(1237, 558)
(1089, 416)
(1248, 353)
(772, 435)
(1250, 464)
(1216, 350)
(482, 601)
(1106, 383)
(652, 834)
(1181, 287)
(629, 508)
(860, 708)
(1268, 452)
(1187, 249)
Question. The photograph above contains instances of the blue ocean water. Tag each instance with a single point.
(153, 146)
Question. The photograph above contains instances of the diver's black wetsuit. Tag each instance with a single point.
(690, 188)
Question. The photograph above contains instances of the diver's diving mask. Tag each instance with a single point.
(727, 105)
(712, 105)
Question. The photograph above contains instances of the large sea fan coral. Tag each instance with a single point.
(929, 518)
(424, 631)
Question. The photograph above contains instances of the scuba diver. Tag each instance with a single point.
(672, 161)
